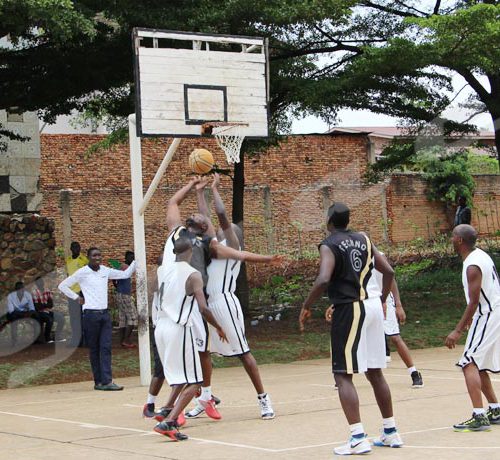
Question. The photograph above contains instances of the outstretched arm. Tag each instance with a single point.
(326, 267)
(203, 207)
(219, 251)
(173, 211)
(220, 210)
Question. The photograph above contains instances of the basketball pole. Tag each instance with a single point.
(140, 251)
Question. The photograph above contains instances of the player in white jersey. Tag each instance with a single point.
(395, 314)
(199, 229)
(225, 306)
(180, 294)
(482, 318)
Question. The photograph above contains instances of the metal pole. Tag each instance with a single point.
(140, 252)
(159, 174)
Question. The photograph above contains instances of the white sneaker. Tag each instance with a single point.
(266, 409)
(388, 359)
(196, 411)
(354, 447)
(388, 440)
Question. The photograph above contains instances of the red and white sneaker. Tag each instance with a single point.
(210, 408)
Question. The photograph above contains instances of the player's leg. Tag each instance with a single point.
(493, 412)
(155, 384)
(169, 426)
(404, 353)
(479, 420)
(375, 350)
(251, 368)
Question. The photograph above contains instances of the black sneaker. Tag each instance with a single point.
(494, 415)
(216, 400)
(110, 387)
(416, 378)
(162, 414)
(171, 430)
(478, 422)
(148, 410)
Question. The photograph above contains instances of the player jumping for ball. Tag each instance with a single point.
(200, 231)
(225, 306)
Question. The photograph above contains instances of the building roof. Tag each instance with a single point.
(389, 132)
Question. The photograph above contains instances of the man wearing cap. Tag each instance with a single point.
(347, 260)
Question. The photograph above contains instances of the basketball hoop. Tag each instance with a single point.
(229, 137)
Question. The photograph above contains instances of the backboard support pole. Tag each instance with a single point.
(140, 252)
(159, 174)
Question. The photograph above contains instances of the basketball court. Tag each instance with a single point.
(73, 420)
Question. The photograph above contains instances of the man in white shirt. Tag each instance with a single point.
(482, 318)
(20, 305)
(97, 327)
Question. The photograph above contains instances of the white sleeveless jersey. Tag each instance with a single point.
(222, 274)
(374, 286)
(489, 299)
(172, 298)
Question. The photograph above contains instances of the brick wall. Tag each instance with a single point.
(287, 192)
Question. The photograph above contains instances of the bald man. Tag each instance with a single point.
(482, 317)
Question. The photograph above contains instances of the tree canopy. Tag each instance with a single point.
(386, 56)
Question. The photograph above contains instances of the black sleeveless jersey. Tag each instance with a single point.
(353, 266)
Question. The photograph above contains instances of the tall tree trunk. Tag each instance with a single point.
(242, 290)
(496, 126)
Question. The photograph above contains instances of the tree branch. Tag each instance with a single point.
(481, 91)
(327, 49)
(386, 9)
(436, 7)
(478, 112)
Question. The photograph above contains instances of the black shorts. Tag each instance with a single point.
(347, 325)
(158, 366)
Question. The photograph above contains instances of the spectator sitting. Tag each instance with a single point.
(44, 303)
(20, 305)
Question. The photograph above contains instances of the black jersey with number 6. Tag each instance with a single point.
(353, 266)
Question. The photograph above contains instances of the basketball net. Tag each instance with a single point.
(229, 138)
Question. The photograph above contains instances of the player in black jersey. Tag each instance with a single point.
(347, 260)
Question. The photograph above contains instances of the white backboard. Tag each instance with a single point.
(186, 79)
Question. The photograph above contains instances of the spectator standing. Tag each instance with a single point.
(463, 214)
(73, 263)
(127, 311)
(97, 327)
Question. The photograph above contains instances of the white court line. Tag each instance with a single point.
(242, 446)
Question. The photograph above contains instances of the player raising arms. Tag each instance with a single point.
(225, 306)
(200, 231)
(482, 348)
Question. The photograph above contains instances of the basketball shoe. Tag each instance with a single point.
(170, 429)
(355, 446)
(391, 439)
(148, 410)
(478, 422)
(164, 412)
(416, 379)
(266, 408)
(205, 406)
(493, 415)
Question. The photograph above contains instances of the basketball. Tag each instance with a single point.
(201, 161)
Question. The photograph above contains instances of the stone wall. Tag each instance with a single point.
(27, 249)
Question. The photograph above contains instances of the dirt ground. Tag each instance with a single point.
(73, 420)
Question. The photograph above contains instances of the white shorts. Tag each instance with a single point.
(178, 353)
(227, 311)
(200, 331)
(357, 337)
(483, 342)
(391, 325)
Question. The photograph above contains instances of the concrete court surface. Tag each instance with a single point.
(74, 421)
